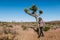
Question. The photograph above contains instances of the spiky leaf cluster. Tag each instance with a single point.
(40, 11)
(26, 10)
(33, 8)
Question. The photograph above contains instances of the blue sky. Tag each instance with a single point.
(13, 10)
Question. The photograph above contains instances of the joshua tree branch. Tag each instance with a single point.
(31, 14)
(38, 14)
(34, 15)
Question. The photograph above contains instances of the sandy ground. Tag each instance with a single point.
(30, 34)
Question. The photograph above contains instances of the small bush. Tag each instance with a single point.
(24, 27)
(10, 26)
(46, 28)
(34, 25)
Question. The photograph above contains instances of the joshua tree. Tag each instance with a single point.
(33, 13)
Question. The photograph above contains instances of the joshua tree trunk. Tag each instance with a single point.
(37, 25)
(37, 21)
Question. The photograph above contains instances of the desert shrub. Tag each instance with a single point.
(34, 25)
(24, 27)
(10, 26)
(46, 28)
(8, 34)
(6, 31)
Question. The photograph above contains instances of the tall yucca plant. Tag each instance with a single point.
(34, 14)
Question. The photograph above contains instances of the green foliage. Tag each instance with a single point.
(33, 8)
(46, 28)
(24, 27)
(26, 10)
(40, 11)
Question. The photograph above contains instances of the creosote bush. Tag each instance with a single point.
(24, 27)
(46, 28)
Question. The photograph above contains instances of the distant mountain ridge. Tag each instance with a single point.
(53, 22)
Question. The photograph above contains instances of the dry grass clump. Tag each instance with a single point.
(7, 33)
